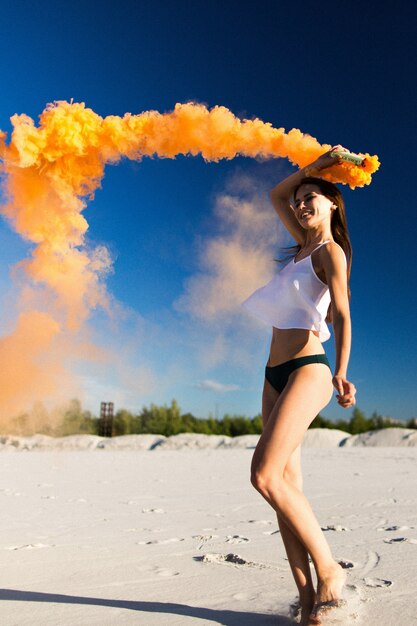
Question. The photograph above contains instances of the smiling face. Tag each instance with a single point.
(311, 207)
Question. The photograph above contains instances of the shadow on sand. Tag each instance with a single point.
(217, 616)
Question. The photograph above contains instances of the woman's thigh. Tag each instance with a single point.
(292, 470)
(308, 391)
(269, 399)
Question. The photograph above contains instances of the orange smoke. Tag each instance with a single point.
(51, 170)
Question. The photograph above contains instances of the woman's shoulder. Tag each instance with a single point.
(333, 252)
(331, 245)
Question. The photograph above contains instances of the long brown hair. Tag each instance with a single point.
(338, 223)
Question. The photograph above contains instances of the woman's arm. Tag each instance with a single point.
(335, 271)
(343, 338)
(281, 193)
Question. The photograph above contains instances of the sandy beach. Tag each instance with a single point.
(176, 535)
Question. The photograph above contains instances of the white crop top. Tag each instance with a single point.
(294, 298)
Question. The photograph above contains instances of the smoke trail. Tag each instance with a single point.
(50, 171)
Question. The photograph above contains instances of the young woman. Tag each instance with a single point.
(311, 289)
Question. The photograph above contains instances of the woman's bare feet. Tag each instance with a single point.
(306, 605)
(305, 616)
(329, 592)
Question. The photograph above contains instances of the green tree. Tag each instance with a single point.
(239, 425)
(342, 425)
(256, 425)
(321, 422)
(213, 426)
(76, 421)
(412, 423)
(162, 420)
(359, 423)
(125, 423)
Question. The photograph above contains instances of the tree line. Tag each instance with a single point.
(168, 420)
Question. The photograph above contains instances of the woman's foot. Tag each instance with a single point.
(305, 619)
(302, 607)
(306, 606)
(329, 592)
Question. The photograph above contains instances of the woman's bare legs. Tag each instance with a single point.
(295, 549)
(308, 390)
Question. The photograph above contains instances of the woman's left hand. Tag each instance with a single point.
(347, 391)
(329, 158)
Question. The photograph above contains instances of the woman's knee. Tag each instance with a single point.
(266, 481)
(261, 481)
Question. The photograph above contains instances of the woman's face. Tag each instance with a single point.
(311, 207)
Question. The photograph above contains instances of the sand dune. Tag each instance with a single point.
(131, 442)
(324, 438)
(314, 438)
(385, 437)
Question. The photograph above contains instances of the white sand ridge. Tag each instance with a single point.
(314, 438)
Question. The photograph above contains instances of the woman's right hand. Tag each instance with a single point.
(329, 158)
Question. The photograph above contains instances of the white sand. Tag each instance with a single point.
(113, 536)
(385, 437)
(324, 438)
(314, 438)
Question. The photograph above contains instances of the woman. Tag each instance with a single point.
(298, 384)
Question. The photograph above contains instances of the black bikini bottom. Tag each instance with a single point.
(278, 375)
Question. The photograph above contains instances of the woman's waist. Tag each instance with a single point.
(291, 343)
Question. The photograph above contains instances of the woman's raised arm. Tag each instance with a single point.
(281, 193)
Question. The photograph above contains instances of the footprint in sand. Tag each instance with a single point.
(400, 540)
(29, 546)
(167, 573)
(271, 532)
(336, 527)
(146, 530)
(371, 562)
(203, 539)
(153, 511)
(346, 564)
(235, 559)
(394, 528)
(377, 582)
(9, 492)
(236, 539)
(245, 597)
(379, 503)
(159, 541)
(261, 522)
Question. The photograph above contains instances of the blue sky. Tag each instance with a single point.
(341, 72)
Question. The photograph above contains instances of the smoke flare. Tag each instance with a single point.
(50, 171)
